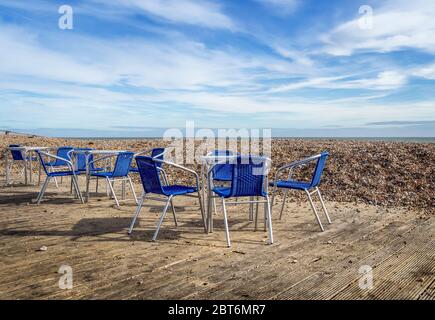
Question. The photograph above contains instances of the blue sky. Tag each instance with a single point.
(307, 67)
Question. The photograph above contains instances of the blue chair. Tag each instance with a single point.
(58, 163)
(156, 153)
(222, 172)
(80, 161)
(309, 187)
(68, 172)
(18, 155)
(63, 156)
(149, 174)
(248, 179)
(119, 173)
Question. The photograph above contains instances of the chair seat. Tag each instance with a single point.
(292, 184)
(83, 171)
(54, 164)
(62, 173)
(103, 174)
(177, 190)
(223, 179)
(222, 191)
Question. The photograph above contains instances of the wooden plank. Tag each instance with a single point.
(325, 284)
(429, 292)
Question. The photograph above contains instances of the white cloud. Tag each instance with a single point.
(24, 55)
(427, 72)
(203, 13)
(168, 63)
(297, 56)
(386, 80)
(397, 25)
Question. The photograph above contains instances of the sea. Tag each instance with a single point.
(384, 139)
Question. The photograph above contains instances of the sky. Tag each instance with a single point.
(301, 68)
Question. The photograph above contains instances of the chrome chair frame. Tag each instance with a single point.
(251, 201)
(111, 181)
(48, 178)
(290, 167)
(168, 201)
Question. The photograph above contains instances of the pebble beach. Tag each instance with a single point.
(387, 174)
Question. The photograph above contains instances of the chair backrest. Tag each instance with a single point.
(122, 164)
(41, 159)
(157, 153)
(248, 175)
(149, 175)
(17, 155)
(43, 164)
(65, 153)
(81, 159)
(320, 165)
(222, 171)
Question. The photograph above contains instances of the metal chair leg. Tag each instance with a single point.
(41, 193)
(283, 203)
(315, 211)
(113, 192)
(132, 190)
(76, 186)
(39, 174)
(256, 219)
(269, 221)
(273, 197)
(227, 231)
(202, 211)
(55, 180)
(96, 186)
(137, 213)
(25, 171)
(256, 209)
(173, 213)
(161, 218)
(251, 209)
(88, 181)
(323, 206)
(265, 217)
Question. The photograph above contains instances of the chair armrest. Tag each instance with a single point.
(181, 168)
(102, 158)
(70, 165)
(300, 162)
(147, 151)
(141, 153)
(295, 164)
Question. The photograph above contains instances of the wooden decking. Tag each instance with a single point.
(187, 264)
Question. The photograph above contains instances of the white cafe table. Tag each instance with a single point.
(206, 163)
(88, 154)
(26, 151)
